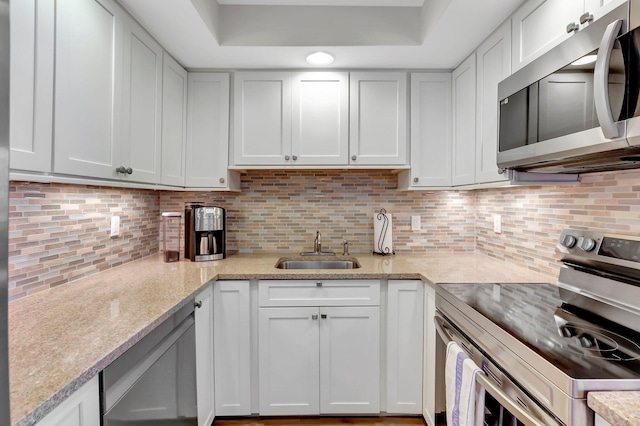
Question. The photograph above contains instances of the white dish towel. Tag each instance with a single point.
(464, 399)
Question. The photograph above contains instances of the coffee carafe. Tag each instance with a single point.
(205, 234)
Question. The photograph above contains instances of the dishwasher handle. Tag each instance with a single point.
(524, 416)
(124, 383)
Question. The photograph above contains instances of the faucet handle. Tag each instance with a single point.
(345, 248)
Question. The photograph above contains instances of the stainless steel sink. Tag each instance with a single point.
(318, 264)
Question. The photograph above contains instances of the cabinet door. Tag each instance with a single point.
(204, 356)
(88, 70)
(288, 361)
(494, 65)
(598, 8)
(539, 25)
(349, 360)
(378, 105)
(208, 130)
(174, 122)
(405, 321)
(464, 122)
(262, 118)
(232, 347)
(82, 408)
(431, 129)
(140, 146)
(31, 75)
(320, 121)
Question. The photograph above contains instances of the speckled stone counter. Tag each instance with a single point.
(62, 337)
(618, 408)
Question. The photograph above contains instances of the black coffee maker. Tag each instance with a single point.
(205, 233)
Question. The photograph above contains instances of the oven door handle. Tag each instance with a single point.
(520, 412)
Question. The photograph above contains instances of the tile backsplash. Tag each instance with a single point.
(58, 233)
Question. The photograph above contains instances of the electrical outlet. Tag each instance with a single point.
(115, 226)
(497, 224)
(415, 223)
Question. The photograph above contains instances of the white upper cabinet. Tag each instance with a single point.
(88, 87)
(540, 25)
(464, 122)
(493, 65)
(378, 105)
(31, 126)
(430, 129)
(140, 145)
(262, 118)
(320, 121)
(174, 122)
(208, 130)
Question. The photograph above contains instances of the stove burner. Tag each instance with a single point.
(595, 342)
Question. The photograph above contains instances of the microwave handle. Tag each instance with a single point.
(601, 81)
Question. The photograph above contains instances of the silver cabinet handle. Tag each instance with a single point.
(314, 316)
(319, 284)
(415, 180)
(586, 17)
(294, 158)
(198, 304)
(221, 180)
(353, 158)
(286, 157)
(129, 171)
(601, 81)
(572, 27)
(323, 316)
(121, 169)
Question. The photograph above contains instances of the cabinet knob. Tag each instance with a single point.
(415, 180)
(314, 316)
(295, 157)
(121, 169)
(286, 157)
(353, 158)
(319, 284)
(572, 27)
(323, 316)
(129, 171)
(221, 180)
(198, 304)
(586, 17)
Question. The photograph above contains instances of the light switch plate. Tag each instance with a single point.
(415, 223)
(115, 226)
(497, 224)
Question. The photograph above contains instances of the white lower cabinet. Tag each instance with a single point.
(319, 359)
(404, 346)
(204, 356)
(599, 421)
(82, 408)
(232, 347)
(433, 367)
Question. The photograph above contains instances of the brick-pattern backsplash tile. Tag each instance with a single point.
(58, 233)
(533, 217)
(281, 210)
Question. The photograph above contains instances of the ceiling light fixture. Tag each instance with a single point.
(319, 58)
(585, 60)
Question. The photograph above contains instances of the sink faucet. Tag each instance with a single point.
(317, 243)
(345, 248)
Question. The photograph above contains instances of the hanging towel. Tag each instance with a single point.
(464, 399)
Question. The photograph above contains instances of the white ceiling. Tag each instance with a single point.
(273, 34)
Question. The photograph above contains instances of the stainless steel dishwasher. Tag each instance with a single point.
(154, 382)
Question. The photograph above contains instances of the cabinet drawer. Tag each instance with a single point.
(319, 292)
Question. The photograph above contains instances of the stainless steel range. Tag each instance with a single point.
(543, 347)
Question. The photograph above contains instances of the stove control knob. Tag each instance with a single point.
(567, 331)
(569, 241)
(586, 341)
(587, 244)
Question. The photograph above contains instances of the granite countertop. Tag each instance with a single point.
(62, 337)
(618, 408)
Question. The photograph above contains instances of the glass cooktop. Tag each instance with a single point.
(581, 343)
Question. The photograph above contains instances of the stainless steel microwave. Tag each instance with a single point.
(575, 109)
